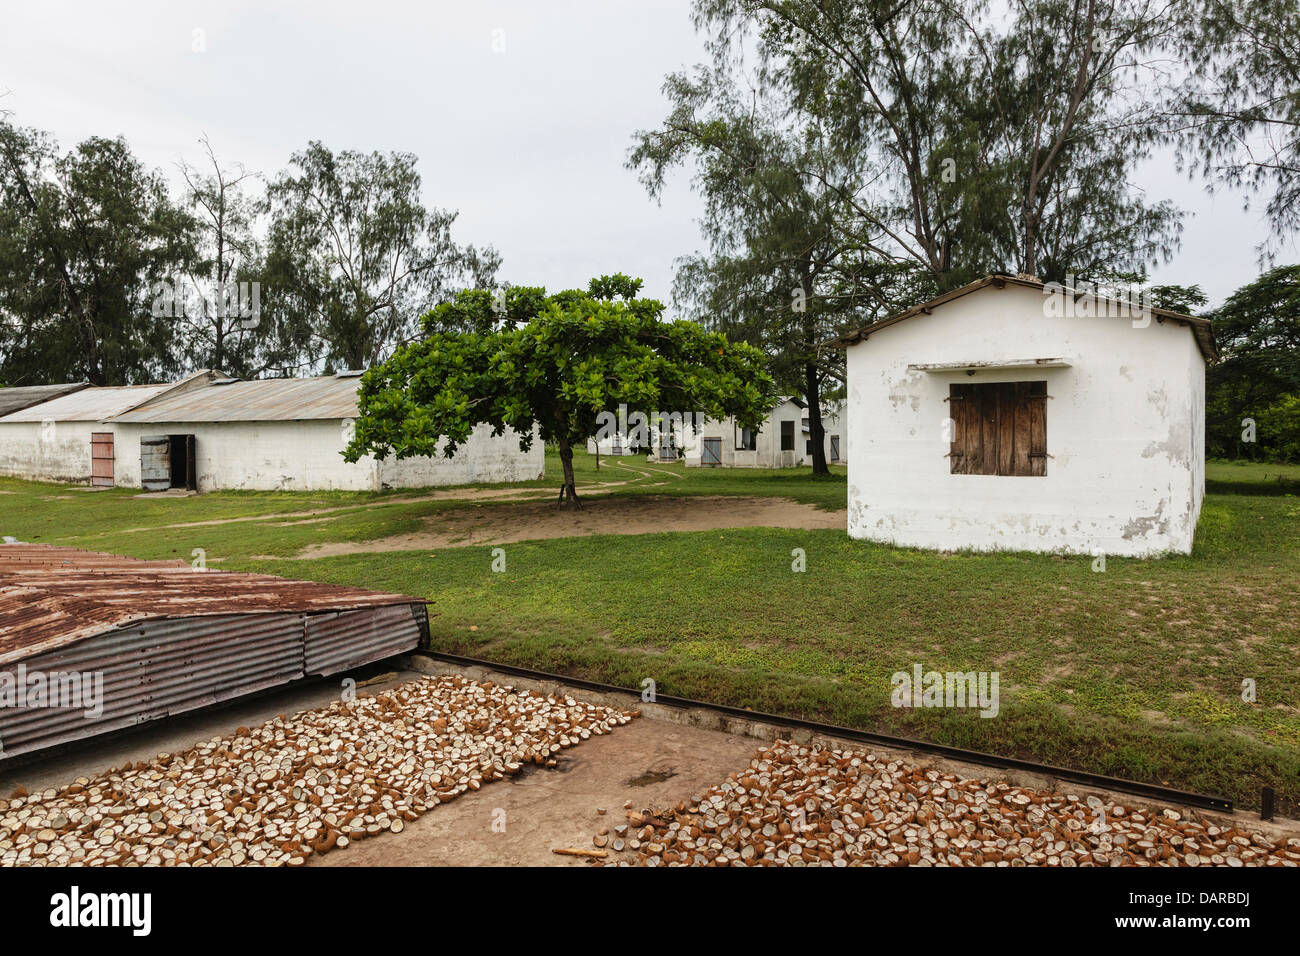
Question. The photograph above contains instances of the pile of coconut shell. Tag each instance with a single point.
(276, 794)
(801, 806)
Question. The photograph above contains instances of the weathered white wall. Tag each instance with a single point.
(481, 460)
(305, 456)
(1125, 432)
(768, 453)
(53, 451)
(42, 448)
(1196, 368)
(606, 446)
(835, 421)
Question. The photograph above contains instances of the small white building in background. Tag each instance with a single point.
(1011, 415)
(615, 444)
(784, 440)
(209, 432)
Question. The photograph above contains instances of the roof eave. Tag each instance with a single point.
(1202, 329)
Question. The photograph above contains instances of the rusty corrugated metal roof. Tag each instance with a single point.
(51, 597)
(25, 396)
(261, 400)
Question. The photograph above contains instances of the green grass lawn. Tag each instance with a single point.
(1251, 478)
(1135, 671)
(119, 520)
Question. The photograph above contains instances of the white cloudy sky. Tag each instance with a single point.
(527, 143)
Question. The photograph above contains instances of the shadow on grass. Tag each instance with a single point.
(1278, 486)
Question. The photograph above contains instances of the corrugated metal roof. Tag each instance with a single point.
(93, 404)
(51, 597)
(262, 400)
(25, 396)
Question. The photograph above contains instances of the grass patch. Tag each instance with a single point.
(1134, 672)
(1251, 478)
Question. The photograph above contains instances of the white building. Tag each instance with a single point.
(65, 438)
(1010, 415)
(209, 432)
(288, 435)
(784, 440)
(615, 444)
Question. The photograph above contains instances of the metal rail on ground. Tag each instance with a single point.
(1137, 788)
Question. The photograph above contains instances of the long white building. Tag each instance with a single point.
(210, 432)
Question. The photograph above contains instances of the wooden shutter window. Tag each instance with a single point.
(999, 428)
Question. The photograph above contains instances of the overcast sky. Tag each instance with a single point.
(521, 114)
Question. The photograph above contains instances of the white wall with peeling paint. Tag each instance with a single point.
(49, 451)
(1125, 431)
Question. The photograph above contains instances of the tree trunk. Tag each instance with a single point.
(816, 431)
(1030, 265)
(219, 351)
(567, 490)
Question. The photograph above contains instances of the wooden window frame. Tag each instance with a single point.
(784, 425)
(999, 428)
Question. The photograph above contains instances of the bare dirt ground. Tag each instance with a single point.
(591, 488)
(519, 821)
(534, 520)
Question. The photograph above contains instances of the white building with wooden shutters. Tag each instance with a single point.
(1009, 414)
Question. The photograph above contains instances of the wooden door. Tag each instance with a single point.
(101, 459)
(155, 462)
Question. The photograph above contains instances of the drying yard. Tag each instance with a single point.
(317, 781)
(288, 791)
(806, 806)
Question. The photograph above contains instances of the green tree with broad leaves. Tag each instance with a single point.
(551, 374)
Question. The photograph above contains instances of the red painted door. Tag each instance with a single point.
(101, 459)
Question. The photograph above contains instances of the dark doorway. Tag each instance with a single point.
(167, 461)
(182, 461)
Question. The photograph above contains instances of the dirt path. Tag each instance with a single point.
(459, 494)
(533, 520)
(592, 488)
